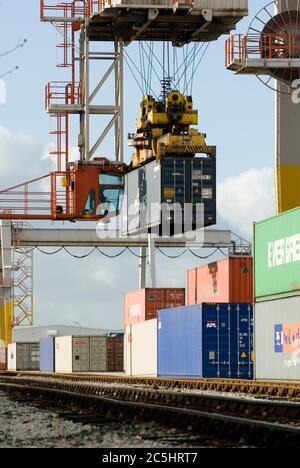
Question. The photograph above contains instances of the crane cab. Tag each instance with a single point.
(95, 190)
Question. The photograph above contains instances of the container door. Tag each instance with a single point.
(34, 356)
(119, 364)
(217, 341)
(242, 337)
(23, 356)
(3, 358)
(98, 354)
(111, 353)
(81, 354)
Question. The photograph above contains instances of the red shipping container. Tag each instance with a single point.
(143, 304)
(3, 359)
(228, 280)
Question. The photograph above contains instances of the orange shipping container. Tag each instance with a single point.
(228, 280)
(143, 304)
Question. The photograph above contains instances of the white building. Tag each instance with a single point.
(34, 334)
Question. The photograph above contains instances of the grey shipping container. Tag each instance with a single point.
(171, 196)
(80, 354)
(98, 354)
(277, 339)
(27, 357)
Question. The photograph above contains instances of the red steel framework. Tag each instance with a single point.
(241, 48)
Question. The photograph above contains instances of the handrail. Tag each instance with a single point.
(265, 46)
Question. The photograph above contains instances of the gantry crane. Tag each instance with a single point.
(92, 187)
(271, 51)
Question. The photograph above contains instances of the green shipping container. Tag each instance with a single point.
(277, 257)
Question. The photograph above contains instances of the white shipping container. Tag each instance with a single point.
(140, 349)
(64, 354)
(277, 339)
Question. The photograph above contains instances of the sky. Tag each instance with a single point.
(235, 112)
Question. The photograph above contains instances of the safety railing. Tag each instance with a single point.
(78, 9)
(74, 10)
(262, 46)
(41, 198)
(62, 92)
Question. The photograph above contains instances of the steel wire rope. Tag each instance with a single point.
(194, 50)
(139, 72)
(203, 257)
(49, 253)
(111, 256)
(137, 255)
(198, 65)
(173, 257)
(9, 72)
(17, 47)
(79, 257)
(150, 66)
(133, 75)
(24, 252)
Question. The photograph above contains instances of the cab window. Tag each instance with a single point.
(90, 206)
(111, 193)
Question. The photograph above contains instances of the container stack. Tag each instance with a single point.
(140, 316)
(277, 297)
(227, 280)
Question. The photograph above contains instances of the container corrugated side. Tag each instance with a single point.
(208, 340)
(47, 355)
(277, 256)
(227, 280)
(277, 339)
(98, 354)
(144, 304)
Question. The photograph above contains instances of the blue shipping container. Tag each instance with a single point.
(47, 355)
(206, 341)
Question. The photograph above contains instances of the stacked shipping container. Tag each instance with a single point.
(144, 304)
(140, 318)
(228, 280)
(277, 297)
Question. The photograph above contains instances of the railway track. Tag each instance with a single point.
(261, 389)
(256, 421)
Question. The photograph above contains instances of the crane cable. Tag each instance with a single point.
(10, 51)
(128, 249)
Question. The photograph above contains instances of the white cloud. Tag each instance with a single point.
(21, 158)
(246, 198)
(107, 277)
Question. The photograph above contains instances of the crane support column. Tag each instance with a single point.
(6, 295)
(287, 152)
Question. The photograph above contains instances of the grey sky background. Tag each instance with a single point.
(235, 112)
